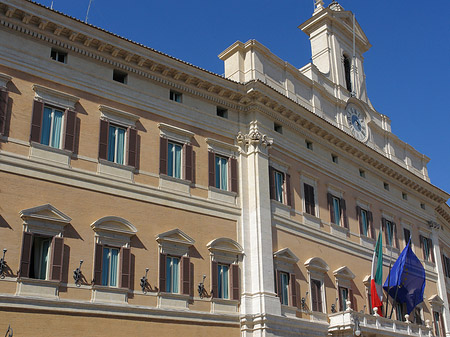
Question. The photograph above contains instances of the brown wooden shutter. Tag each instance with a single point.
(235, 284)
(125, 267)
(395, 233)
(234, 175)
(288, 190)
(370, 221)
(344, 212)
(162, 272)
(430, 244)
(57, 258)
(314, 295)
(25, 257)
(3, 110)
(278, 289)
(384, 229)
(319, 295)
(341, 300)
(103, 140)
(163, 148)
(211, 169)
(188, 163)
(185, 275)
(272, 182)
(293, 290)
(422, 247)
(98, 262)
(444, 265)
(352, 300)
(69, 139)
(214, 279)
(331, 207)
(359, 217)
(36, 121)
(132, 147)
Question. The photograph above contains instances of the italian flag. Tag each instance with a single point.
(376, 289)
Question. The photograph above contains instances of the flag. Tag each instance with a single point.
(376, 279)
(407, 279)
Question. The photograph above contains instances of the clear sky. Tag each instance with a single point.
(407, 69)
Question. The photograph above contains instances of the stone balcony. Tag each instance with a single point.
(351, 323)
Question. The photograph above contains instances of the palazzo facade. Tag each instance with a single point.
(142, 195)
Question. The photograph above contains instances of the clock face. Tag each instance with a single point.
(356, 123)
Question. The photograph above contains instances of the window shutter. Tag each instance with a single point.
(211, 169)
(352, 300)
(3, 110)
(235, 285)
(69, 139)
(272, 183)
(98, 262)
(125, 267)
(444, 265)
(36, 121)
(162, 272)
(341, 300)
(421, 237)
(319, 295)
(383, 228)
(288, 190)
(234, 175)
(57, 258)
(370, 221)
(293, 290)
(331, 207)
(344, 212)
(394, 230)
(103, 141)
(278, 284)
(358, 215)
(430, 244)
(27, 243)
(163, 148)
(314, 296)
(132, 147)
(214, 279)
(185, 275)
(188, 163)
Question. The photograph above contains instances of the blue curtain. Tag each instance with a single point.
(176, 274)
(44, 259)
(172, 274)
(120, 146)
(105, 266)
(177, 157)
(364, 222)
(284, 288)
(223, 281)
(113, 270)
(170, 159)
(279, 186)
(56, 128)
(112, 143)
(46, 123)
(337, 211)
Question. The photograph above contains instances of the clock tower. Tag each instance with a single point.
(337, 45)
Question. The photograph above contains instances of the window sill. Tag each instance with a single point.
(116, 170)
(280, 209)
(221, 305)
(395, 251)
(317, 316)
(222, 195)
(367, 242)
(37, 288)
(174, 301)
(429, 265)
(288, 311)
(312, 220)
(50, 154)
(105, 294)
(174, 184)
(339, 231)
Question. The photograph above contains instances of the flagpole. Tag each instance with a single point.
(389, 275)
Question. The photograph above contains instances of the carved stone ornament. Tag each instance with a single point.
(254, 137)
(434, 225)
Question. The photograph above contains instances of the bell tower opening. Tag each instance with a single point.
(347, 71)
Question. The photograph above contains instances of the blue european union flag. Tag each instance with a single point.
(406, 282)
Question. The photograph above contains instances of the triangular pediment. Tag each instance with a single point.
(286, 254)
(436, 300)
(225, 245)
(175, 236)
(114, 224)
(46, 212)
(344, 273)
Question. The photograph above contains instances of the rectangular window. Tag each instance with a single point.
(172, 274)
(343, 298)
(406, 235)
(175, 96)
(364, 222)
(223, 281)
(278, 128)
(279, 184)
(120, 76)
(174, 160)
(400, 309)
(362, 173)
(389, 233)
(58, 56)
(427, 248)
(404, 196)
(437, 324)
(446, 263)
(222, 112)
(40, 257)
(386, 186)
(221, 174)
(422, 205)
(52, 126)
(310, 204)
(284, 291)
(110, 266)
(334, 158)
(309, 145)
(116, 144)
(316, 295)
(337, 211)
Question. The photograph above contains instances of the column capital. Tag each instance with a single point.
(254, 138)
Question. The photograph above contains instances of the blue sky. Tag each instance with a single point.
(407, 69)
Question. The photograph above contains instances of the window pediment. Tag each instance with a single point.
(118, 116)
(175, 133)
(344, 273)
(175, 242)
(56, 97)
(316, 264)
(225, 245)
(114, 224)
(436, 301)
(45, 219)
(286, 255)
(4, 79)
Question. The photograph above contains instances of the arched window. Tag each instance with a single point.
(347, 67)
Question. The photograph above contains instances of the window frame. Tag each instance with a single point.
(310, 181)
(362, 208)
(336, 198)
(175, 96)
(172, 283)
(285, 195)
(109, 272)
(344, 277)
(284, 263)
(57, 54)
(426, 245)
(317, 269)
(223, 283)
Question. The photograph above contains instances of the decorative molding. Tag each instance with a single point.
(317, 264)
(45, 220)
(174, 242)
(175, 133)
(55, 97)
(223, 148)
(118, 116)
(4, 79)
